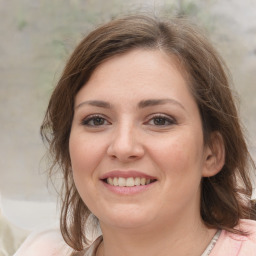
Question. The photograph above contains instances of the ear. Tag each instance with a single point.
(214, 157)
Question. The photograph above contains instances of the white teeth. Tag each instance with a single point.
(143, 181)
(129, 182)
(137, 181)
(110, 181)
(115, 181)
(121, 182)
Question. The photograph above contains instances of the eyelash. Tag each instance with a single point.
(93, 118)
(169, 120)
(160, 117)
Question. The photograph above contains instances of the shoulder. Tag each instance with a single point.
(44, 243)
(248, 246)
(248, 226)
(237, 245)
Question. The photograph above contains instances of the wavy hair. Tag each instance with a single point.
(225, 197)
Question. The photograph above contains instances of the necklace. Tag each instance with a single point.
(212, 244)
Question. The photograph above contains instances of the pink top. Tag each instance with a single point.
(51, 243)
(230, 244)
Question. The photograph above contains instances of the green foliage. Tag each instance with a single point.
(22, 23)
(188, 8)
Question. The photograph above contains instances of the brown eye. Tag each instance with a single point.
(161, 120)
(98, 121)
(95, 121)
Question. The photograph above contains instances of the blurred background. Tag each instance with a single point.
(36, 38)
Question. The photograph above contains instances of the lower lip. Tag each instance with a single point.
(128, 190)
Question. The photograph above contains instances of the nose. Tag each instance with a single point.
(125, 144)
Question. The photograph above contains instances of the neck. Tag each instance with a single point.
(172, 239)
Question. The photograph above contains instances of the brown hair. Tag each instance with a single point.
(226, 197)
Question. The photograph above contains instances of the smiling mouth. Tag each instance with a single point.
(128, 182)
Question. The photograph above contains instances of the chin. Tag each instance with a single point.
(126, 219)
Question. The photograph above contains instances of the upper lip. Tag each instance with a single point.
(126, 174)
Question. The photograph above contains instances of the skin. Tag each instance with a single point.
(163, 140)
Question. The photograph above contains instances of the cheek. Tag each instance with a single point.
(179, 154)
(85, 154)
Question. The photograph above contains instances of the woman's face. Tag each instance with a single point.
(136, 142)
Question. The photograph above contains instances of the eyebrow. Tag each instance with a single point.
(141, 104)
(96, 103)
(155, 102)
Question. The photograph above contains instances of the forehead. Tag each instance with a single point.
(125, 82)
(146, 71)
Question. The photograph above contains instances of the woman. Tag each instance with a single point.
(145, 130)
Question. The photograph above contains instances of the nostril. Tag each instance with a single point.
(113, 156)
(132, 157)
